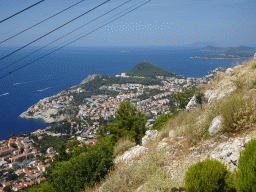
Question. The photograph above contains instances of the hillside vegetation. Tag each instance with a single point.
(175, 157)
(185, 140)
(146, 69)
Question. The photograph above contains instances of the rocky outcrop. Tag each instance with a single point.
(192, 103)
(89, 78)
(218, 93)
(150, 135)
(45, 116)
(132, 153)
(215, 125)
(171, 134)
(229, 71)
(229, 152)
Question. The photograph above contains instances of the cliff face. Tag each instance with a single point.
(162, 161)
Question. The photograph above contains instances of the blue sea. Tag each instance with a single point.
(69, 66)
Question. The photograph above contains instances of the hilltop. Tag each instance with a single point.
(145, 69)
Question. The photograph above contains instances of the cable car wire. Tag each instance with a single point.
(53, 31)
(72, 41)
(41, 22)
(21, 11)
(70, 33)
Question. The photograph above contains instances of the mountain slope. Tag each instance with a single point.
(161, 163)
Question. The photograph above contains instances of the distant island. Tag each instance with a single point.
(226, 53)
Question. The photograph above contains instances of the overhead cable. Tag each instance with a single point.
(69, 33)
(72, 41)
(21, 11)
(40, 22)
(53, 30)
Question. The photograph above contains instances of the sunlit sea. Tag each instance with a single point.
(69, 66)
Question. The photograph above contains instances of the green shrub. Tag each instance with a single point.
(208, 175)
(123, 145)
(161, 121)
(235, 113)
(246, 175)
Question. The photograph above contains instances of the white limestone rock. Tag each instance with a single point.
(171, 134)
(229, 71)
(132, 153)
(192, 103)
(215, 125)
(210, 96)
(150, 135)
(139, 189)
(246, 96)
(229, 152)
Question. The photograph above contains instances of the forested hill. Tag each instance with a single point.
(146, 69)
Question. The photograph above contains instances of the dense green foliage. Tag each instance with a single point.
(50, 141)
(7, 189)
(11, 136)
(246, 175)
(102, 132)
(84, 169)
(21, 134)
(11, 177)
(161, 121)
(148, 93)
(208, 176)
(146, 69)
(14, 145)
(42, 187)
(182, 98)
(131, 123)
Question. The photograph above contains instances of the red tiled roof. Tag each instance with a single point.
(7, 184)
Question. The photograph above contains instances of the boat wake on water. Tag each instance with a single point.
(44, 89)
(4, 94)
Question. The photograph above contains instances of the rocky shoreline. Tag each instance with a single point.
(45, 116)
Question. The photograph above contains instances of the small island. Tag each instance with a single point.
(226, 53)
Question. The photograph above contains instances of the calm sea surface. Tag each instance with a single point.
(69, 66)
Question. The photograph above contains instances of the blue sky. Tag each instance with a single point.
(159, 23)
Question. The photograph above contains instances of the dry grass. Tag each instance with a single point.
(216, 80)
(129, 177)
(123, 145)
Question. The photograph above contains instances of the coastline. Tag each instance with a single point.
(212, 58)
(46, 119)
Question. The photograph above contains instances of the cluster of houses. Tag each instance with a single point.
(15, 159)
(51, 103)
(12, 158)
(96, 108)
